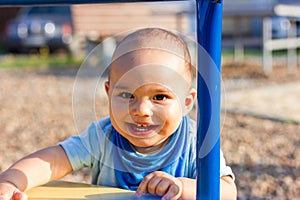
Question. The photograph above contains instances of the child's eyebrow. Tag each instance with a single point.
(165, 90)
(120, 87)
(157, 88)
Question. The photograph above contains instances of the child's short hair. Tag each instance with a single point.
(156, 38)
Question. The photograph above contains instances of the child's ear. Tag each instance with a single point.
(189, 100)
(106, 86)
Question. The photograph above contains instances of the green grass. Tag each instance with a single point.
(255, 52)
(247, 52)
(38, 61)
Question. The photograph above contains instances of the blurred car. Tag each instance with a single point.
(40, 26)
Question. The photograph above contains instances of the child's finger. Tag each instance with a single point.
(142, 189)
(153, 185)
(20, 196)
(162, 187)
(172, 193)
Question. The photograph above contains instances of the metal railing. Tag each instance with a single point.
(291, 44)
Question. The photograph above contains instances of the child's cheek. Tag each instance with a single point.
(119, 107)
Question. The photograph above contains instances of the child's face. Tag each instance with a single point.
(148, 93)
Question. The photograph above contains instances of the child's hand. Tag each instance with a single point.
(10, 192)
(162, 184)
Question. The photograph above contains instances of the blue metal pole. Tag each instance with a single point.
(209, 31)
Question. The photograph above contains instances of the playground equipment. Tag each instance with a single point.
(209, 30)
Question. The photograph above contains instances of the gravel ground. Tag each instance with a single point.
(36, 111)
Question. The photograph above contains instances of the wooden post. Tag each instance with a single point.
(267, 45)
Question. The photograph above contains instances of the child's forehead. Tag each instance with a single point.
(149, 66)
(147, 57)
(150, 75)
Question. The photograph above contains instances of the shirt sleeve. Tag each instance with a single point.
(224, 169)
(82, 150)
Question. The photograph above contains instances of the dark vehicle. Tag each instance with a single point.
(40, 27)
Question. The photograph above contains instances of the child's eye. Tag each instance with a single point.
(159, 97)
(126, 95)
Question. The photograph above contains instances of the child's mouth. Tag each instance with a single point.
(141, 129)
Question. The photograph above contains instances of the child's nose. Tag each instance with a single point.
(141, 107)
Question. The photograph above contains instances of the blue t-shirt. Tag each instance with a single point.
(115, 162)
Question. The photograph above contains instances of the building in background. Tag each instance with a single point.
(242, 19)
(95, 22)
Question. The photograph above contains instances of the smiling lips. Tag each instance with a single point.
(141, 129)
